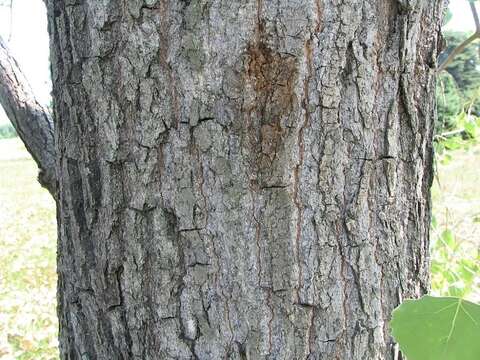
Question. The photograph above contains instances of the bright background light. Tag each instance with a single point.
(462, 19)
(27, 39)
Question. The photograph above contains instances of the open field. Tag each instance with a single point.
(456, 195)
(455, 250)
(28, 324)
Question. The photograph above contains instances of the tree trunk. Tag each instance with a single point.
(241, 179)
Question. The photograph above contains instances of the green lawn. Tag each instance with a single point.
(28, 324)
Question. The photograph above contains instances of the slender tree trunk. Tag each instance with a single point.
(241, 179)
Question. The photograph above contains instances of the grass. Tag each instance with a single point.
(28, 324)
(456, 227)
(456, 195)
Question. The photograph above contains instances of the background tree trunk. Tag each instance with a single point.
(241, 179)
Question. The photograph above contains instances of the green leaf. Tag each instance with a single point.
(471, 129)
(437, 328)
(447, 158)
(449, 239)
(453, 143)
(439, 148)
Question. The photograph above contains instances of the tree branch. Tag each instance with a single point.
(31, 120)
(457, 51)
(464, 44)
(473, 8)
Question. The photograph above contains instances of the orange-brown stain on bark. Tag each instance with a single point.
(272, 75)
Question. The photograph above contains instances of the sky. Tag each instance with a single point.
(25, 31)
(28, 42)
(462, 19)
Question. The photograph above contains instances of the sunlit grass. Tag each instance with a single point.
(456, 231)
(28, 323)
(456, 194)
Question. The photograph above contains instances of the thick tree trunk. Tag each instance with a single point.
(241, 179)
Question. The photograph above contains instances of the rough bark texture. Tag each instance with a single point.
(241, 179)
(31, 120)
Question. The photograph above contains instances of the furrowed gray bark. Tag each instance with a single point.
(31, 120)
(241, 179)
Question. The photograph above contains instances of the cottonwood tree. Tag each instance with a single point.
(235, 179)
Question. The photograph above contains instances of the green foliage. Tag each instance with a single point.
(464, 67)
(457, 87)
(433, 328)
(463, 134)
(7, 131)
(449, 101)
(455, 265)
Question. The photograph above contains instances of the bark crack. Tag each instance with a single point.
(298, 168)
